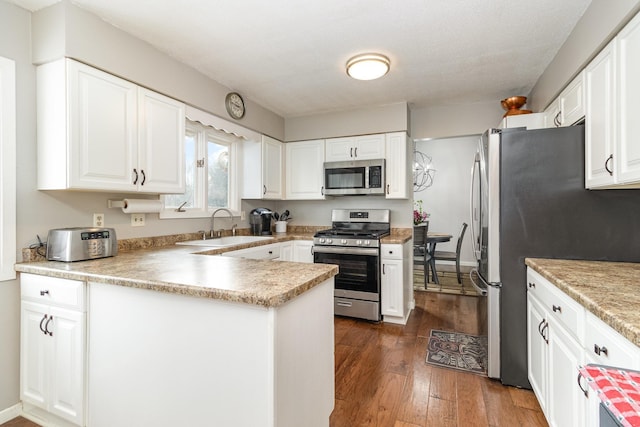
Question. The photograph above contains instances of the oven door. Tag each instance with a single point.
(359, 270)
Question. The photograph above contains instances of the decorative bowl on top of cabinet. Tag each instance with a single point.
(100, 132)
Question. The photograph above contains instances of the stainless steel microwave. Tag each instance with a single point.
(356, 177)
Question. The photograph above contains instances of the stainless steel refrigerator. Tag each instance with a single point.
(529, 200)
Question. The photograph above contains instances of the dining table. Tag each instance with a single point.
(433, 238)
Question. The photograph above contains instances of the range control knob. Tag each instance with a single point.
(359, 242)
(329, 241)
(343, 241)
(322, 240)
(367, 242)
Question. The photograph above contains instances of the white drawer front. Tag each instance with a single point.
(391, 251)
(52, 290)
(605, 346)
(565, 310)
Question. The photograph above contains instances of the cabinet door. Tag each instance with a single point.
(103, 129)
(572, 101)
(33, 354)
(391, 288)
(537, 350)
(369, 147)
(566, 403)
(160, 143)
(67, 364)
(552, 115)
(286, 251)
(397, 176)
(339, 149)
(304, 171)
(599, 119)
(272, 168)
(303, 251)
(628, 155)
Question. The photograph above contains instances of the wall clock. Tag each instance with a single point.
(235, 105)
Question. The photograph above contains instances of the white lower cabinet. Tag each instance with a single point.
(396, 288)
(554, 355)
(303, 251)
(561, 337)
(53, 348)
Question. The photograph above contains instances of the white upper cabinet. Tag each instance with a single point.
(397, 166)
(262, 169)
(627, 157)
(99, 132)
(365, 147)
(569, 107)
(612, 133)
(160, 143)
(304, 170)
(600, 117)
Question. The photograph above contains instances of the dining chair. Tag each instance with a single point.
(453, 256)
(421, 254)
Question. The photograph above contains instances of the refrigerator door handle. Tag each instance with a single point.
(472, 212)
(497, 285)
(482, 290)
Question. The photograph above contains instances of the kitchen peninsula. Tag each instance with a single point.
(175, 336)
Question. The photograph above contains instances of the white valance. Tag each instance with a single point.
(223, 125)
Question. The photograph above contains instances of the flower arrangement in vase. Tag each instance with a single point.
(419, 216)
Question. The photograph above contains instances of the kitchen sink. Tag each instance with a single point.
(225, 241)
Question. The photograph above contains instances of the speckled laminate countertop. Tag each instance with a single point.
(609, 290)
(188, 270)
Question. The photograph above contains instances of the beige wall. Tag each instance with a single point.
(375, 119)
(458, 120)
(67, 30)
(14, 44)
(598, 25)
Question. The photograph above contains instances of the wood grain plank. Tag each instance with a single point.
(471, 410)
(441, 413)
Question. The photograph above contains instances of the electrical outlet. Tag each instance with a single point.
(137, 220)
(242, 215)
(98, 220)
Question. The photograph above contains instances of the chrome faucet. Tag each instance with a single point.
(219, 232)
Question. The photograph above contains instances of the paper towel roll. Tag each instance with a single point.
(141, 206)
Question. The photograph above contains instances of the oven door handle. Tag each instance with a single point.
(345, 250)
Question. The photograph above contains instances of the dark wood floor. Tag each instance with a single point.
(382, 378)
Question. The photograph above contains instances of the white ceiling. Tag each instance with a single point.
(289, 55)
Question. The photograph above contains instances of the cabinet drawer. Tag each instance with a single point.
(605, 346)
(564, 310)
(52, 290)
(391, 251)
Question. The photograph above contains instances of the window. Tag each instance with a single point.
(7, 168)
(211, 173)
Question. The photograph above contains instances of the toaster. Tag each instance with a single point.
(81, 243)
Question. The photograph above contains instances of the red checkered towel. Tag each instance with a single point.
(618, 389)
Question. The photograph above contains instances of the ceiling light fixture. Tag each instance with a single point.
(368, 66)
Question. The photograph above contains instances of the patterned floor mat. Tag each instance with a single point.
(458, 351)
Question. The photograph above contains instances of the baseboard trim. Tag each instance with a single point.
(10, 413)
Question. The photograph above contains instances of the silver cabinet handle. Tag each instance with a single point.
(606, 164)
(343, 304)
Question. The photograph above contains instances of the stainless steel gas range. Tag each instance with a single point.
(353, 243)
